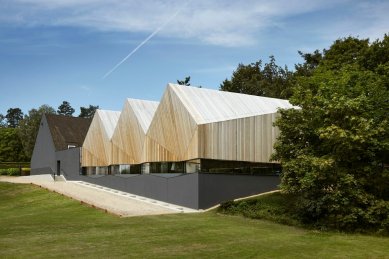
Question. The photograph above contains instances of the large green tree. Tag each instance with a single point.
(334, 149)
(14, 116)
(29, 128)
(65, 109)
(270, 80)
(10, 146)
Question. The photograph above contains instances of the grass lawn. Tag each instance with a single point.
(38, 223)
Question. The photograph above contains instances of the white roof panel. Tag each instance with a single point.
(207, 105)
(144, 111)
(109, 120)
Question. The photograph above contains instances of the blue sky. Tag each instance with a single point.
(56, 50)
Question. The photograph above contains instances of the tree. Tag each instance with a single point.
(186, 81)
(271, 80)
(3, 124)
(311, 61)
(334, 150)
(10, 146)
(14, 116)
(88, 112)
(65, 109)
(345, 51)
(244, 79)
(29, 128)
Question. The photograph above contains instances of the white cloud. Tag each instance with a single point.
(217, 22)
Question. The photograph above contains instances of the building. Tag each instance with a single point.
(97, 147)
(212, 130)
(57, 134)
(129, 137)
(196, 148)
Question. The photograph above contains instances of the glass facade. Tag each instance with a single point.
(163, 167)
(130, 169)
(193, 166)
(102, 170)
(239, 167)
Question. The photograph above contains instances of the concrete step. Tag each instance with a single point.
(59, 178)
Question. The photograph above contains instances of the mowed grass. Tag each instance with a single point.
(38, 223)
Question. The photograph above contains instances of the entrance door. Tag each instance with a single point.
(58, 167)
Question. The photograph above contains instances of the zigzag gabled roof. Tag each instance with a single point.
(207, 105)
(109, 120)
(144, 111)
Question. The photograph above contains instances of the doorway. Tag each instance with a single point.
(58, 167)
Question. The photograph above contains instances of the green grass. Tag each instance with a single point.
(38, 223)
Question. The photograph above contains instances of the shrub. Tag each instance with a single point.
(3, 171)
(226, 206)
(6, 165)
(13, 171)
(276, 207)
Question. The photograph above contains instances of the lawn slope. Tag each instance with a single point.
(37, 223)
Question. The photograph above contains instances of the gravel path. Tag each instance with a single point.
(113, 201)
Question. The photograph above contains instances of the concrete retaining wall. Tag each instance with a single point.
(216, 188)
(42, 170)
(197, 190)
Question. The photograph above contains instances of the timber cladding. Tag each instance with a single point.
(183, 130)
(188, 123)
(247, 139)
(128, 139)
(171, 131)
(97, 147)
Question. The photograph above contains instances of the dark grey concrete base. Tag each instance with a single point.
(216, 188)
(43, 170)
(196, 191)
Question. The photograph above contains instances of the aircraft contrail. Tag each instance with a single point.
(143, 43)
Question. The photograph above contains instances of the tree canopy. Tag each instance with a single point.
(10, 146)
(334, 150)
(88, 112)
(14, 116)
(3, 123)
(65, 109)
(186, 81)
(269, 80)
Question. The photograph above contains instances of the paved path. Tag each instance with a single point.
(116, 202)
